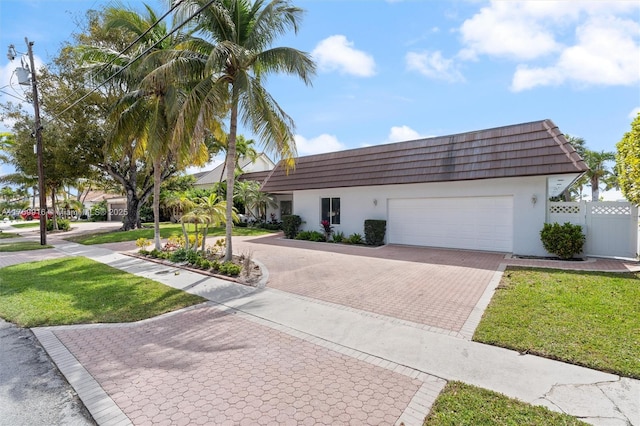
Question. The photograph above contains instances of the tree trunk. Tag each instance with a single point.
(157, 181)
(53, 206)
(595, 189)
(132, 218)
(230, 163)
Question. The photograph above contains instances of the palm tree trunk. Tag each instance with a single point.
(204, 237)
(186, 236)
(595, 189)
(230, 162)
(53, 205)
(157, 181)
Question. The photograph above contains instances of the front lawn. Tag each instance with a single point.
(76, 290)
(461, 404)
(5, 235)
(585, 318)
(22, 246)
(166, 230)
(30, 224)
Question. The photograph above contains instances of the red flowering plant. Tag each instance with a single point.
(328, 229)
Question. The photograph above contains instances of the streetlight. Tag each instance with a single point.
(23, 79)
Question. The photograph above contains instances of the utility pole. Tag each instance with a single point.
(38, 133)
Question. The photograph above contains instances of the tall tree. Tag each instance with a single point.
(155, 90)
(628, 162)
(598, 170)
(235, 67)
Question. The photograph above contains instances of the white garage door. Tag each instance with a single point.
(476, 223)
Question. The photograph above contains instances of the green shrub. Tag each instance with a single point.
(155, 253)
(374, 231)
(338, 237)
(143, 252)
(303, 235)
(99, 211)
(179, 255)
(215, 266)
(354, 238)
(311, 236)
(269, 226)
(290, 225)
(562, 240)
(192, 257)
(205, 264)
(230, 268)
(317, 236)
(63, 224)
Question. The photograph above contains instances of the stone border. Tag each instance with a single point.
(473, 320)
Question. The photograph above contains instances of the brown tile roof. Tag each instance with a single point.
(527, 149)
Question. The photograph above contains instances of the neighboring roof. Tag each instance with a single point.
(257, 176)
(95, 196)
(261, 163)
(527, 149)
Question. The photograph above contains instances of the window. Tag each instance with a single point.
(330, 210)
(285, 208)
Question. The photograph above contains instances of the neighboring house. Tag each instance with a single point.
(481, 190)
(207, 180)
(94, 197)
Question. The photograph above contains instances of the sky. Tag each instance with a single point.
(396, 70)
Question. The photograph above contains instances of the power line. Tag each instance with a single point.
(55, 117)
(133, 43)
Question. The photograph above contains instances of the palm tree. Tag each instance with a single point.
(597, 162)
(235, 67)
(195, 216)
(215, 211)
(181, 204)
(244, 191)
(156, 88)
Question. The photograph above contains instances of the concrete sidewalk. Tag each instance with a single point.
(596, 397)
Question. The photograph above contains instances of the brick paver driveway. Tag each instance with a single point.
(434, 287)
(206, 366)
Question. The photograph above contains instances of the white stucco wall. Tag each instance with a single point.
(357, 205)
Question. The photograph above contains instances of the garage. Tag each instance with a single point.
(474, 223)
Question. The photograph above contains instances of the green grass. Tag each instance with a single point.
(585, 318)
(22, 246)
(5, 235)
(460, 404)
(166, 230)
(30, 224)
(76, 290)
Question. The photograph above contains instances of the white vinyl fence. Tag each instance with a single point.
(611, 228)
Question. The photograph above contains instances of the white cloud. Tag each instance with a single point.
(505, 29)
(433, 65)
(318, 145)
(605, 54)
(336, 53)
(558, 42)
(402, 133)
(634, 113)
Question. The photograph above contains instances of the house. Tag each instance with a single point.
(481, 190)
(207, 180)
